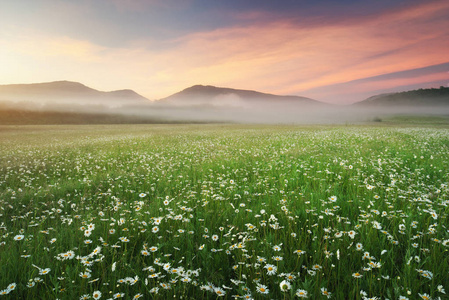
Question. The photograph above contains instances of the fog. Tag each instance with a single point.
(290, 113)
(229, 108)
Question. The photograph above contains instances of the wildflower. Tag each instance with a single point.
(277, 248)
(155, 229)
(141, 195)
(165, 286)
(290, 277)
(85, 297)
(425, 296)
(247, 296)
(376, 225)
(12, 286)
(403, 298)
(285, 285)
(219, 291)
(96, 295)
(299, 252)
(86, 262)
(357, 275)
(441, 289)
(333, 198)
(301, 293)
(19, 237)
(85, 275)
(352, 234)
(137, 296)
(4, 292)
(366, 255)
(325, 292)
(118, 295)
(375, 264)
(434, 215)
(44, 271)
(261, 259)
(96, 251)
(262, 289)
(425, 274)
(271, 269)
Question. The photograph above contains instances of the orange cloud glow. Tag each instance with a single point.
(284, 56)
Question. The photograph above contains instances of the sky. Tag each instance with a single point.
(333, 51)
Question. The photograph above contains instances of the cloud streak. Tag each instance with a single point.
(311, 56)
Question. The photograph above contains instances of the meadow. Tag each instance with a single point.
(224, 211)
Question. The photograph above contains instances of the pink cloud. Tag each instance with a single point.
(139, 5)
(284, 57)
(277, 56)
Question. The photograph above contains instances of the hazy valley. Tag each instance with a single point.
(65, 102)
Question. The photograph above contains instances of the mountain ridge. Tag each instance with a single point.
(63, 89)
(419, 97)
(206, 93)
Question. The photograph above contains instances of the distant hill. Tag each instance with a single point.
(60, 92)
(217, 96)
(416, 98)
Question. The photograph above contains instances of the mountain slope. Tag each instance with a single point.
(418, 98)
(65, 91)
(218, 96)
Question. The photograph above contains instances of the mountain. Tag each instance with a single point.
(65, 92)
(416, 98)
(201, 95)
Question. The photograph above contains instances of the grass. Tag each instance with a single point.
(208, 211)
(422, 120)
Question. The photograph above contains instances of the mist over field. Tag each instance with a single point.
(205, 104)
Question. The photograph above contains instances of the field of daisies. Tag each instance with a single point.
(224, 212)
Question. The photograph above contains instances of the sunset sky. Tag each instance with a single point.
(334, 51)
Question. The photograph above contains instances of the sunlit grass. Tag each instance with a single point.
(224, 211)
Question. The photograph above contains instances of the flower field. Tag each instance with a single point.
(224, 211)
